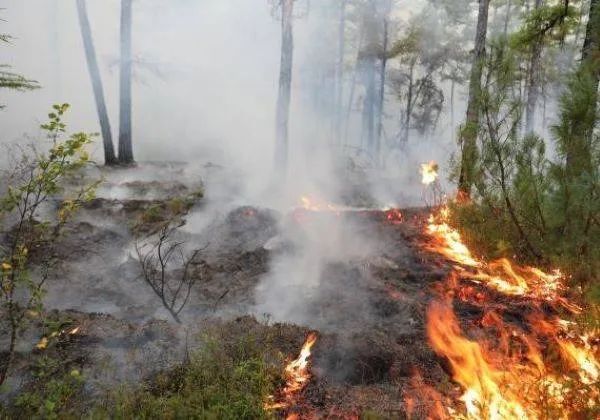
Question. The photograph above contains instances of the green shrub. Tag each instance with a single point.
(221, 381)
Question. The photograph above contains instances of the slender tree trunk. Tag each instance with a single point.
(452, 90)
(590, 53)
(125, 132)
(340, 72)
(369, 102)
(92, 63)
(370, 61)
(7, 362)
(409, 102)
(533, 79)
(54, 39)
(590, 64)
(357, 64)
(471, 128)
(507, 17)
(382, 80)
(285, 87)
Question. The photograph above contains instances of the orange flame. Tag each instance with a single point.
(483, 396)
(297, 375)
(495, 386)
(501, 275)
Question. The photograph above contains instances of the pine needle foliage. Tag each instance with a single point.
(543, 209)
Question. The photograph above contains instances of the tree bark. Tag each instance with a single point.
(469, 132)
(533, 78)
(92, 63)
(285, 87)
(125, 129)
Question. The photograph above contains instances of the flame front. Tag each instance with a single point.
(297, 375)
(502, 274)
(509, 376)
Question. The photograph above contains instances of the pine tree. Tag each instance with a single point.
(468, 137)
(13, 81)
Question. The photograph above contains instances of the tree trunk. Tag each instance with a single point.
(10, 353)
(470, 130)
(370, 73)
(92, 63)
(125, 133)
(382, 80)
(452, 91)
(533, 79)
(340, 72)
(285, 87)
(590, 64)
(54, 39)
(590, 53)
(409, 102)
(351, 95)
(507, 18)
(369, 103)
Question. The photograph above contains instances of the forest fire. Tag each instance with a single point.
(483, 396)
(502, 274)
(394, 216)
(297, 376)
(311, 204)
(429, 172)
(509, 371)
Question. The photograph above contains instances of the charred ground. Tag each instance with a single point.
(369, 309)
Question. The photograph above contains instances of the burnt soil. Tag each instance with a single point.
(369, 310)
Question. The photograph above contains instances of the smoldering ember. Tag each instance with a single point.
(300, 209)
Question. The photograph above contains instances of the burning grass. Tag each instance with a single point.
(546, 368)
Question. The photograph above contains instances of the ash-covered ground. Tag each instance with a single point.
(357, 276)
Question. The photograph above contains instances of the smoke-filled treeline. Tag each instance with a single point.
(383, 83)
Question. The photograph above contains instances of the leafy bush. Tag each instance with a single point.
(36, 182)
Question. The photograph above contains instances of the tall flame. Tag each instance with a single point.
(483, 397)
(297, 374)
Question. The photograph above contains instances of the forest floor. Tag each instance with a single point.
(368, 304)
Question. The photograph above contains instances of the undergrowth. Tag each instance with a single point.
(218, 382)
